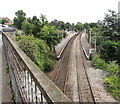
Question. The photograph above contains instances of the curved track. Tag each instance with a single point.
(60, 78)
(70, 72)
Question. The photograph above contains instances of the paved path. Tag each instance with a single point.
(86, 46)
(5, 91)
(63, 43)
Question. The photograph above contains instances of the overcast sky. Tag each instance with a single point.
(66, 10)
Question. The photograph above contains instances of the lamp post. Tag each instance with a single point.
(95, 41)
(90, 38)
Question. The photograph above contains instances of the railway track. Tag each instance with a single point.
(60, 77)
(86, 95)
(70, 72)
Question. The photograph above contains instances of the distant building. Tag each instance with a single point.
(6, 18)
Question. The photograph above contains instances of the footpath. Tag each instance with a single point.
(5, 90)
(60, 47)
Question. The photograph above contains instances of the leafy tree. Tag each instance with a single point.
(58, 24)
(79, 27)
(72, 26)
(90, 25)
(50, 35)
(29, 20)
(110, 50)
(27, 27)
(20, 17)
(43, 20)
(54, 22)
(36, 26)
(109, 33)
(61, 25)
(110, 26)
(68, 26)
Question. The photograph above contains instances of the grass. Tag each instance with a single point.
(112, 79)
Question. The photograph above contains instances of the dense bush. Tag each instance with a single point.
(112, 79)
(37, 50)
(99, 62)
(113, 86)
(110, 50)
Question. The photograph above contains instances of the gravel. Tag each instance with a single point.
(96, 77)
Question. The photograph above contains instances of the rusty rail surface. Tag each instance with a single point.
(32, 85)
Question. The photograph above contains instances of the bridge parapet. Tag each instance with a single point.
(29, 83)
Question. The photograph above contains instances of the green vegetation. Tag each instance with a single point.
(112, 80)
(37, 50)
(20, 17)
(37, 38)
(110, 50)
(50, 35)
(107, 35)
(67, 26)
(99, 62)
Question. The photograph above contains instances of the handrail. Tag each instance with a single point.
(33, 85)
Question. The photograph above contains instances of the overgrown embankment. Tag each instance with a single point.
(112, 79)
(37, 50)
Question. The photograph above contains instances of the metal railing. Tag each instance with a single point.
(29, 83)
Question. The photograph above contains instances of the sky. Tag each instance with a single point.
(72, 11)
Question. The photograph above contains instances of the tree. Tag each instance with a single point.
(79, 27)
(109, 33)
(58, 24)
(20, 17)
(50, 35)
(27, 27)
(110, 50)
(110, 26)
(43, 20)
(68, 26)
(36, 26)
